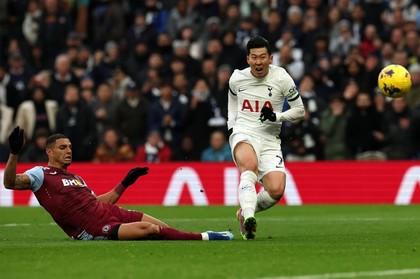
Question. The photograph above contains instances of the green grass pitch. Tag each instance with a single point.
(293, 242)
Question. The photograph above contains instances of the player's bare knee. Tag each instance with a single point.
(276, 192)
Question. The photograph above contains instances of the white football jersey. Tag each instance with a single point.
(248, 95)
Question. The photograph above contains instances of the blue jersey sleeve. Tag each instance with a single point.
(36, 175)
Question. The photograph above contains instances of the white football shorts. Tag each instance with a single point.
(269, 155)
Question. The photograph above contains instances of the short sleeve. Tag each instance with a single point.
(36, 175)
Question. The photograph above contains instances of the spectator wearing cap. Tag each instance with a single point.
(131, 115)
(413, 96)
(38, 112)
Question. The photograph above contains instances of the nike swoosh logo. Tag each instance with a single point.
(53, 173)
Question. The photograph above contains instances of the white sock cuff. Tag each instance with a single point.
(204, 236)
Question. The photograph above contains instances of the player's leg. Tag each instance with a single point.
(272, 175)
(246, 160)
(148, 231)
(274, 185)
(153, 220)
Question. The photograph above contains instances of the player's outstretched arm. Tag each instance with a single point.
(131, 177)
(11, 180)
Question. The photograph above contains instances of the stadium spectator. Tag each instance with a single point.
(87, 89)
(131, 115)
(166, 115)
(333, 128)
(20, 76)
(397, 138)
(182, 86)
(87, 216)
(249, 154)
(294, 66)
(55, 25)
(38, 112)
(218, 150)
(344, 42)
(232, 54)
(76, 120)
(111, 60)
(31, 22)
(113, 148)
(413, 96)
(364, 130)
(199, 112)
(141, 31)
(61, 77)
(154, 150)
(104, 107)
(186, 150)
(137, 59)
(6, 123)
(108, 22)
(304, 139)
(34, 151)
(273, 31)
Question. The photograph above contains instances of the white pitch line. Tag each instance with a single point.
(263, 219)
(26, 224)
(379, 273)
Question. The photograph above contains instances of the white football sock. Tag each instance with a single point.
(264, 201)
(247, 193)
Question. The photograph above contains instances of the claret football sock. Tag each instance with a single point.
(174, 234)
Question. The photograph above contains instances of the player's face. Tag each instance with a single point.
(259, 61)
(60, 155)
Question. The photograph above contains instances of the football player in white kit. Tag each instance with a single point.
(255, 114)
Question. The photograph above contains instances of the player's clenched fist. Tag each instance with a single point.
(16, 140)
(267, 113)
(132, 176)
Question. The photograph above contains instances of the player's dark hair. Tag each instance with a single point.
(258, 42)
(53, 138)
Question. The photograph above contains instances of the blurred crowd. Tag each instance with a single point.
(147, 80)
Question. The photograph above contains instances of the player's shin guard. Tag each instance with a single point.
(247, 194)
(264, 201)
